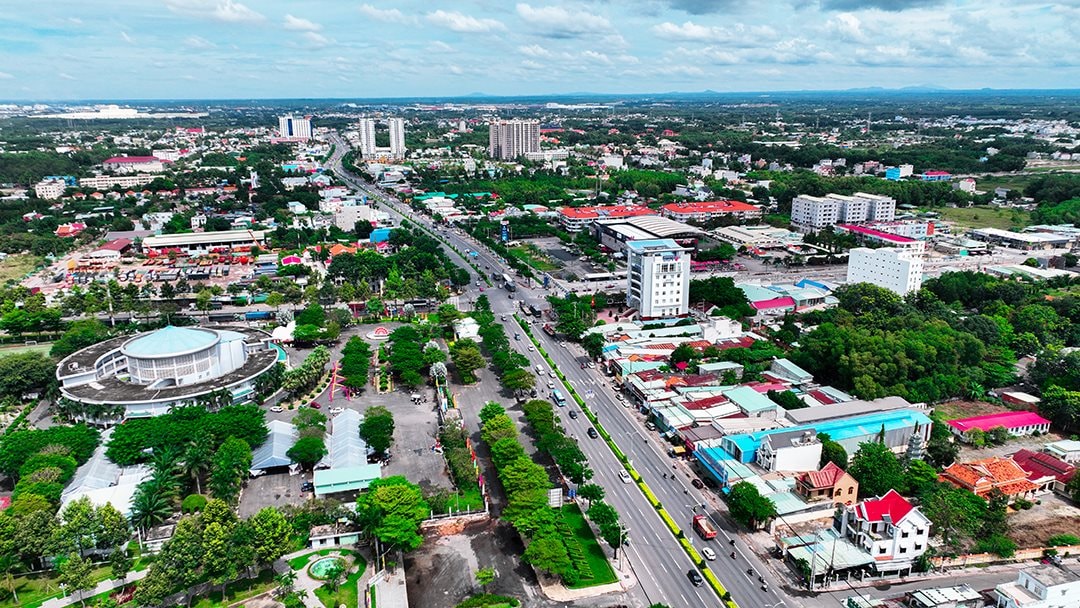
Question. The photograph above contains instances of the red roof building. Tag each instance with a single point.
(70, 230)
(892, 506)
(707, 210)
(830, 483)
(1017, 423)
(981, 477)
(576, 219)
(1044, 470)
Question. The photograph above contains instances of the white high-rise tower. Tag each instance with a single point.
(366, 130)
(397, 137)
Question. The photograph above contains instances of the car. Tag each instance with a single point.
(624, 476)
(552, 374)
(517, 336)
(697, 483)
(307, 486)
(695, 578)
(277, 409)
(534, 393)
(551, 384)
(708, 553)
(532, 349)
(592, 433)
(573, 414)
(315, 405)
(336, 410)
(650, 426)
(592, 365)
(503, 317)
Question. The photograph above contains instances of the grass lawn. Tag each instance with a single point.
(239, 590)
(14, 349)
(17, 266)
(594, 553)
(532, 256)
(34, 590)
(966, 409)
(468, 499)
(985, 217)
(347, 593)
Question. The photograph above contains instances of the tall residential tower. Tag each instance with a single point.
(366, 129)
(658, 278)
(509, 139)
(397, 137)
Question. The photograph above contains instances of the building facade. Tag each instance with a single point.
(830, 483)
(658, 279)
(294, 127)
(397, 137)
(1046, 586)
(898, 270)
(889, 528)
(366, 131)
(509, 139)
(50, 189)
(709, 210)
(813, 213)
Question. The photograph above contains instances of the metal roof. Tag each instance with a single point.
(171, 340)
(272, 451)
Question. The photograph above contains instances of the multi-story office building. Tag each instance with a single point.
(898, 270)
(50, 189)
(509, 139)
(812, 213)
(397, 137)
(366, 130)
(658, 278)
(294, 127)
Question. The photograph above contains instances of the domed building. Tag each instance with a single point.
(153, 372)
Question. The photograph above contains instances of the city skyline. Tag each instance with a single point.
(229, 49)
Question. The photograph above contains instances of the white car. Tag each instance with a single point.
(277, 409)
(552, 374)
(708, 553)
(532, 349)
(551, 384)
(624, 476)
(336, 410)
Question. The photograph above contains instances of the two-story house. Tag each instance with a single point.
(798, 450)
(889, 528)
(830, 483)
(1041, 587)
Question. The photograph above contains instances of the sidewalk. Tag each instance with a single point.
(102, 587)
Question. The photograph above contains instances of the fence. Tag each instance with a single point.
(1021, 555)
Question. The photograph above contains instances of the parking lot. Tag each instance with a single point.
(272, 490)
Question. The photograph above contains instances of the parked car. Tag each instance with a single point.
(697, 483)
(592, 433)
(695, 578)
(315, 405)
(336, 410)
(552, 374)
(277, 409)
(307, 486)
(532, 349)
(551, 384)
(708, 553)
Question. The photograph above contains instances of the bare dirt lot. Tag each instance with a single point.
(1054, 516)
(966, 409)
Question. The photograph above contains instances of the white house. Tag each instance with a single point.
(1041, 587)
(889, 528)
(797, 450)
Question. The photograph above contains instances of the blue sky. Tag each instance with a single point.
(198, 49)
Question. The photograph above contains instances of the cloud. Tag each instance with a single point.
(389, 15)
(702, 7)
(227, 11)
(66, 76)
(847, 27)
(439, 46)
(299, 24)
(198, 42)
(316, 40)
(126, 38)
(558, 22)
(737, 32)
(885, 5)
(535, 50)
(458, 22)
(6, 76)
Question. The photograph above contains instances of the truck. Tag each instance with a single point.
(704, 527)
(549, 329)
(257, 315)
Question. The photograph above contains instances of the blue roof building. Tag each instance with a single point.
(751, 402)
(381, 235)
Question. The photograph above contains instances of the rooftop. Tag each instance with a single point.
(826, 477)
(1009, 420)
(749, 400)
(612, 211)
(1053, 575)
(653, 245)
(170, 341)
(878, 234)
(130, 160)
(891, 505)
(710, 207)
(844, 428)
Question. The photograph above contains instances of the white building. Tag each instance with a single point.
(812, 213)
(889, 528)
(133, 164)
(104, 182)
(366, 131)
(658, 278)
(294, 127)
(50, 189)
(1041, 587)
(509, 139)
(897, 270)
(797, 450)
(397, 137)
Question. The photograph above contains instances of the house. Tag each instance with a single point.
(797, 450)
(70, 230)
(1045, 586)
(889, 528)
(336, 534)
(980, 477)
(960, 596)
(112, 251)
(1066, 449)
(1044, 470)
(1018, 423)
(830, 483)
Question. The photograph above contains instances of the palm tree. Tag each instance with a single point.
(286, 582)
(150, 506)
(196, 461)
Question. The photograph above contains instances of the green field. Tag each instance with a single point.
(14, 349)
(594, 553)
(532, 256)
(986, 217)
(17, 266)
(238, 590)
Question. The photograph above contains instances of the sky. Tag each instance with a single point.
(246, 49)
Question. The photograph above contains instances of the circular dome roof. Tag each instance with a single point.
(170, 341)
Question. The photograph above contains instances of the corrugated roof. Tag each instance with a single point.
(272, 451)
(1009, 420)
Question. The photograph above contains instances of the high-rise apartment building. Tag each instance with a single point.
(509, 139)
(658, 278)
(812, 213)
(397, 137)
(898, 270)
(366, 130)
(294, 127)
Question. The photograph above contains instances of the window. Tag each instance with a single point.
(904, 534)
(903, 550)
(918, 547)
(881, 550)
(851, 490)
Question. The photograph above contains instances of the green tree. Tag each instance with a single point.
(518, 380)
(272, 535)
(593, 343)
(995, 520)
(466, 357)
(75, 575)
(217, 560)
(25, 373)
(748, 507)
(941, 449)
(876, 469)
(1062, 407)
(591, 492)
(954, 513)
(484, 577)
(120, 563)
(548, 554)
(307, 451)
(111, 528)
(1073, 488)
(229, 467)
(79, 525)
(921, 477)
(377, 429)
(832, 451)
(392, 510)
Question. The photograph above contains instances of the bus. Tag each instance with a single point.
(557, 397)
(508, 283)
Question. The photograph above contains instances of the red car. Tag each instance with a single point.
(315, 405)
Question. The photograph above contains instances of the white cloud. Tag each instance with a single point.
(6, 76)
(388, 15)
(438, 46)
(737, 33)
(535, 50)
(228, 11)
(316, 39)
(846, 26)
(198, 42)
(459, 22)
(455, 69)
(299, 24)
(66, 76)
(126, 38)
(558, 22)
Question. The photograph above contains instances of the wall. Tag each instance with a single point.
(1021, 555)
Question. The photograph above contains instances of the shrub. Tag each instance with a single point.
(998, 544)
(193, 503)
(1063, 540)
